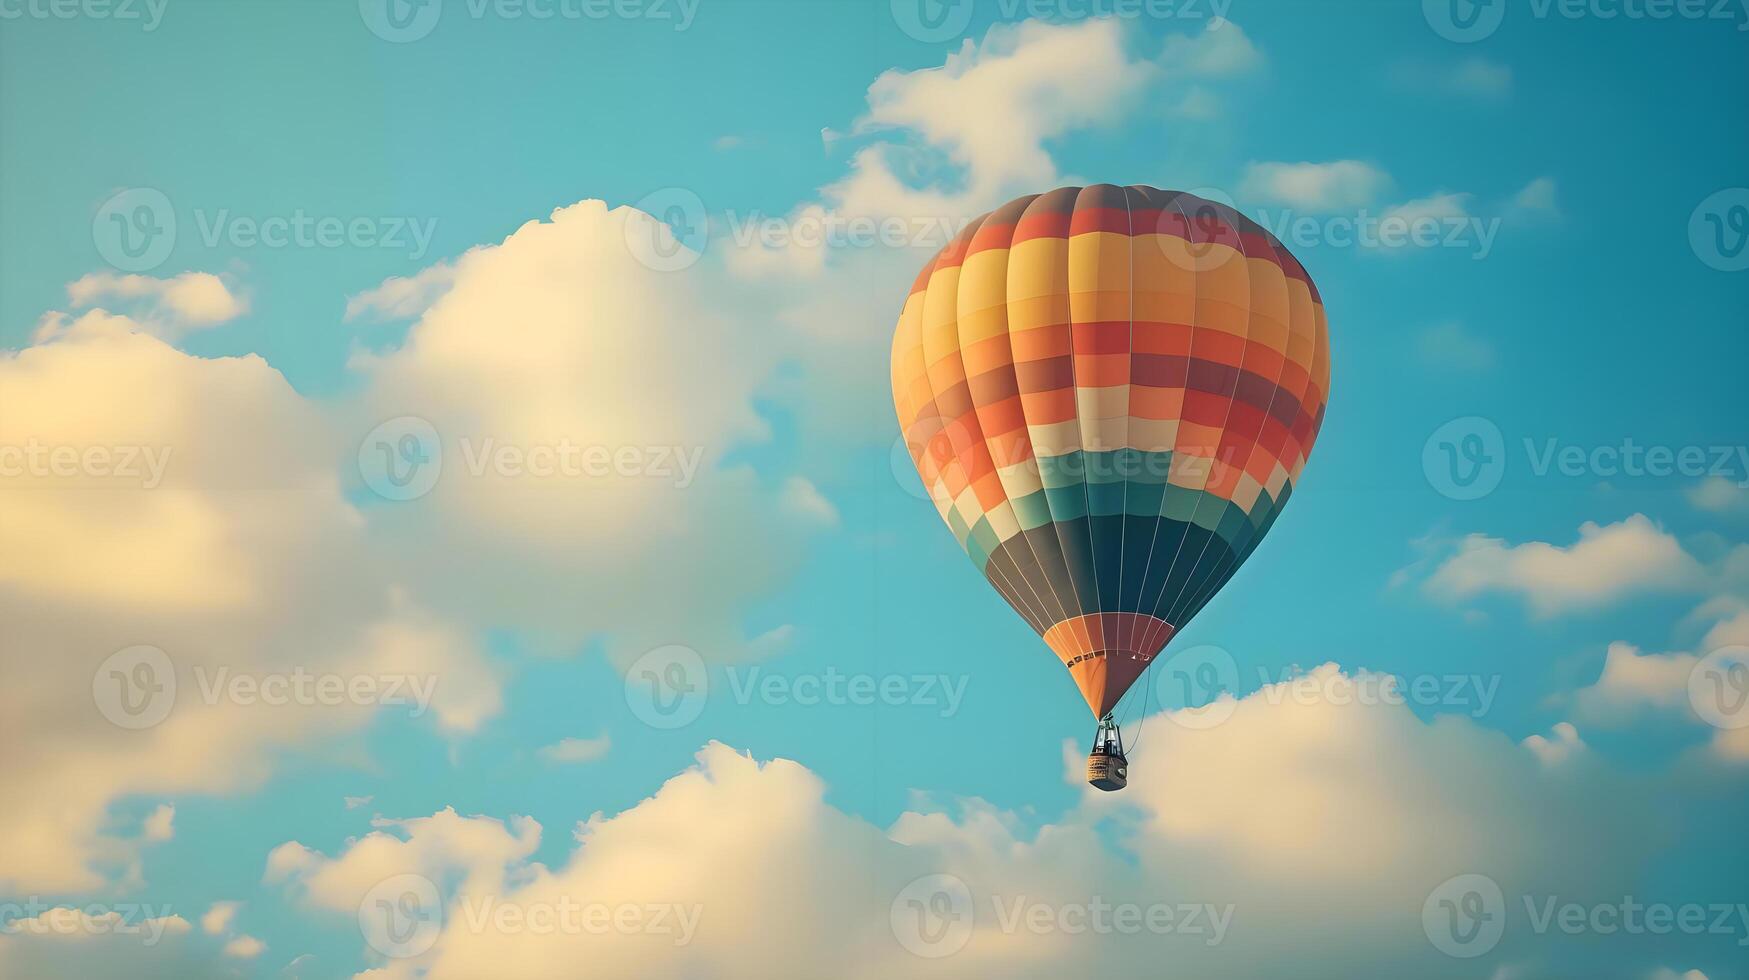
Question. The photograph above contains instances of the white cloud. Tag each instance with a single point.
(1435, 207)
(192, 300)
(477, 849)
(1719, 495)
(1221, 50)
(1288, 801)
(231, 548)
(354, 802)
(560, 336)
(1633, 682)
(245, 947)
(990, 109)
(568, 751)
(1538, 196)
(218, 918)
(800, 494)
(1606, 563)
(940, 146)
(160, 824)
(1558, 746)
(126, 940)
(1333, 186)
(401, 297)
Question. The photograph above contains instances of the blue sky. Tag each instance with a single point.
(1582, 173)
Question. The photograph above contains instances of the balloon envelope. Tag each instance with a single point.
(1109, 393)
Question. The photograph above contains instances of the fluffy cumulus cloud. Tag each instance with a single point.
(1632, 683)
(400, 297)
(1719, 495)
(581, 405)
(990, 109)
(1608, 562)
(1304, 827)
(939, 146)
(172, 525)
(190, 301)
(103, 941)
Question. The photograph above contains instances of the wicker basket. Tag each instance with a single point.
(1108, 771)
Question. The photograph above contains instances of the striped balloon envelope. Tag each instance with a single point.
(1110, 392)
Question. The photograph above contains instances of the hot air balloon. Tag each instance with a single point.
(1109, 393)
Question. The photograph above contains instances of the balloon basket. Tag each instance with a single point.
(1107, 771)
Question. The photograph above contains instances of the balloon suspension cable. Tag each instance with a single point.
(1108, 734)
(1147, 695)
